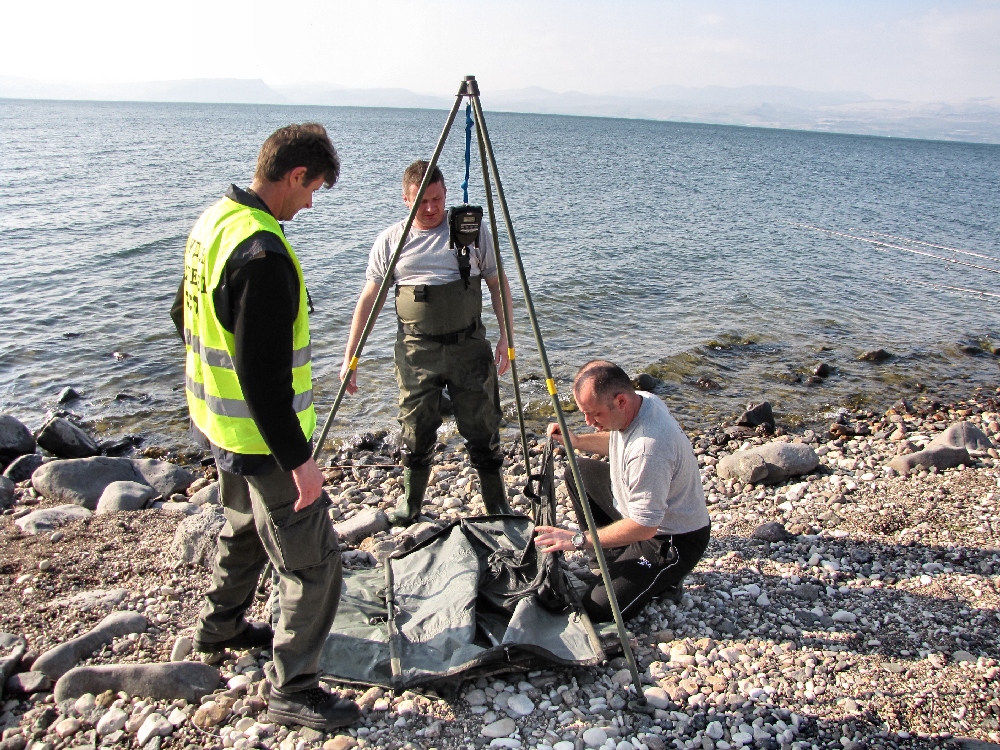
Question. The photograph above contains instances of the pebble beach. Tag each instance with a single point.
(852, 606)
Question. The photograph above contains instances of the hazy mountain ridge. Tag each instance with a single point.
(975, 120)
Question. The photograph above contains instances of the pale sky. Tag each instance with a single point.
(911, 50)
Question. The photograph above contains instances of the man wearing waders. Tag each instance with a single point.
(243, 312)
(647, 500)
(440, 343)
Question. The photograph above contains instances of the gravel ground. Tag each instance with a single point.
(872, 623)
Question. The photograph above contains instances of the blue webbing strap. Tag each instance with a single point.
(468, 151)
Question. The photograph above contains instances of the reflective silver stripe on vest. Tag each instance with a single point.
(302, 357)
(208, 355)
(224, 407)
(220, 357)
(234, 407)
(302, 401)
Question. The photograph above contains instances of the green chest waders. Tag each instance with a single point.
(429, 316)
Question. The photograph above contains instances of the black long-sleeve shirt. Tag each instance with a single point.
(257, 300)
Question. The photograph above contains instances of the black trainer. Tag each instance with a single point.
(313, 708)
(674, 593)
(254, 635)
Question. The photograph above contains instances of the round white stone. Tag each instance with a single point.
(594, 737)
(520, 704)
(475, 698)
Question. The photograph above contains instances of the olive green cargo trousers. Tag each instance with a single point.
(303, 547)
(423, 369)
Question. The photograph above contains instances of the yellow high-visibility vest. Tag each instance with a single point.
(214, 396)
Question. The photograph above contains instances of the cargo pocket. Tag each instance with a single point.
(305, 539)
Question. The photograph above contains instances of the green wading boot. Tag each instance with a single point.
(494, 492)
(414, 484)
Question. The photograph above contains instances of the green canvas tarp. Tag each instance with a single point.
(474, 598)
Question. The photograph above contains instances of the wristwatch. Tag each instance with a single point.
(579, 540)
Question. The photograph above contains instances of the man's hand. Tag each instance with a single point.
(502, 358)
(553, 539)
(555, 433)
(309, 481)
(345, 370)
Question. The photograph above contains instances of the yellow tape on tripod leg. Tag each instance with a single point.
(551, 385)
(354, 364)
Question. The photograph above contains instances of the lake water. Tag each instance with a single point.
(667, 247)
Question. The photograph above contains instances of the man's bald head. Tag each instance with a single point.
(605, 378)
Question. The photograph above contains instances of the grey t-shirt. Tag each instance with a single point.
(654, 473)
(426, 257)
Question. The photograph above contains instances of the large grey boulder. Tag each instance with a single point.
(83, 481)
(59, 660)
(963, 435)
(167, 478)
(939, 456)
(124, 496)
(6, 493)
(15, 439)
(87, 601)
(23, 467)
(363, 524)
(197, 537)
(207, 495)
(187, 680)
(62, 438)
(770, 463)
(47, 519)
(12, 648)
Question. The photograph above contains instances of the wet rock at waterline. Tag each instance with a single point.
(68, 394)
(59, 660)
(822, 370)
(197, 537)
(23, 467)
(875, 355)
(758, 415)
(45, 520)
(182, 680)
(781, 460)
(83, 481)
(62, 438)
(125, 496)
(646, 382)
(15, 439)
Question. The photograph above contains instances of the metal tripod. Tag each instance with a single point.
(470, 89)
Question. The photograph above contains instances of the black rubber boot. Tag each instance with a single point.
(414, 483)
(313, 708)
(254, 635)
(494, 492)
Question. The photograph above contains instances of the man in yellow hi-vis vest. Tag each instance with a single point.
(243, 312)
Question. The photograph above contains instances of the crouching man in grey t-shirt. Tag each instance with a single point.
(647, 500)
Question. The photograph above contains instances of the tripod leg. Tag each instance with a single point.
(507, 306)
(384, 288)
(560, 416)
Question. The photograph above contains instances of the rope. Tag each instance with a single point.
(976, 292)
(880, 244)
(931, 244)
(468, 152)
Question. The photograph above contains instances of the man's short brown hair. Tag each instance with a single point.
(414, 174)
(606, 378)
(306, 145)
